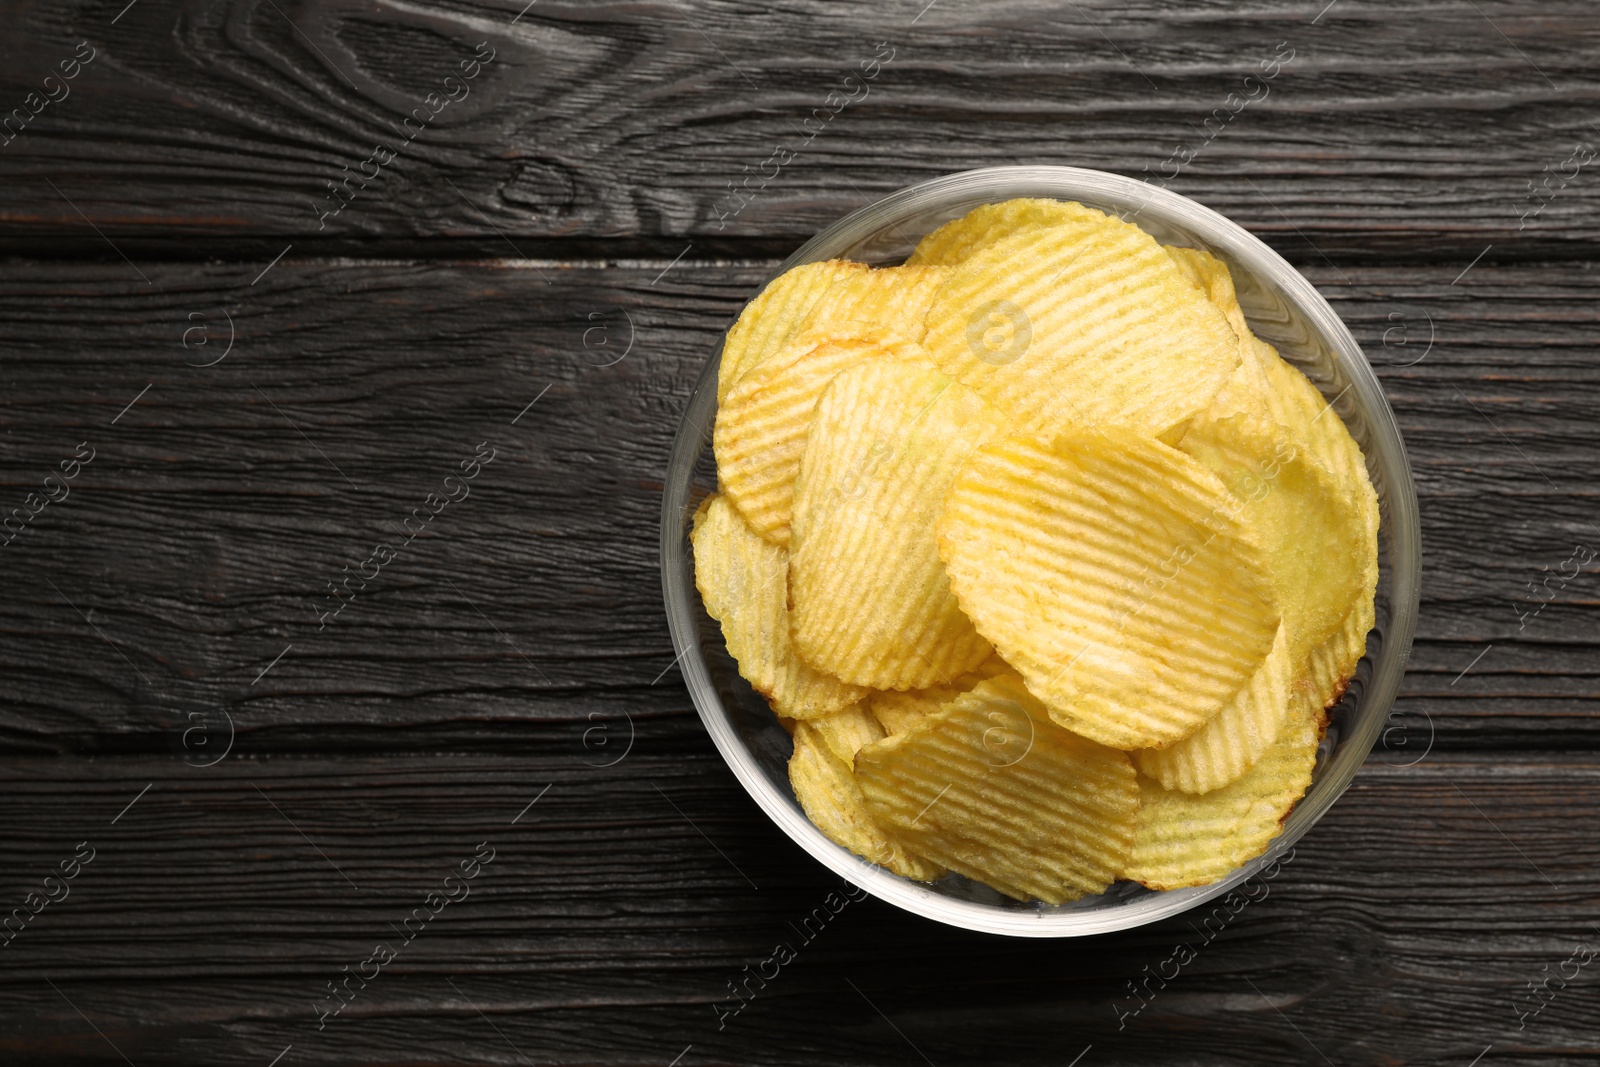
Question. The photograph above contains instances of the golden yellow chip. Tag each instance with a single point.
(1071, 327)
(775, 315)
(827, 791)
(1265, 383)
(1210, 275)
(742, 580)
(989, 787)
(898, 712)
(870, 601)
(893, 298)
(1311, 533)
(1247, 387)
(762, 424)
(844, 732)
(1312, 423)
(1111, 571)
(987, 224)
(1333, 662)
(1296, 404)
(1185, 840)
(1225, 748)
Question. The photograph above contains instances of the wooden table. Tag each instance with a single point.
(251, 794)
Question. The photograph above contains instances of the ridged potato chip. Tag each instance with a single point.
(869, 598)
(1247, 387)
(1265, 383)
(1210, 275)
(892, 298)
(1334, 662)
(1311, 533)
(989, 787)
(1296, 404)
(1299, 406)
(762, 424)
(844, 732)
(1072, 326)
(742, 580)
(1225, 748)
(898, 712)
(775, 315)
(827, 791)
(1186, 840)
(987, 224)
(1111, 571)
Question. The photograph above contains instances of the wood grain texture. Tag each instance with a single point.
(617, 909)
(223, 502)
(1403, 128)
(200, 540)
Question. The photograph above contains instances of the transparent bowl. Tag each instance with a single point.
(1285, 310)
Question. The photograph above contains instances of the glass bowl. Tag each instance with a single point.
(1284, 310)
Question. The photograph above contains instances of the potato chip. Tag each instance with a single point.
(1201, 268)
(987, 224)
(1333, 663)
(898, 712)
(1292, 401)
(827, 791)
(1299, 406)
(761, 426)
(1295, 403)
(1112, 572)
(775, 315)
(1311, 533)
(870, 601)
(1229, 745)
(742, 580)
(1266, 383)
(1210, 275)
(892, 298)
(844, 732)
(989, 787)
(1071, 327)
(1246, 388)
(1186, 840)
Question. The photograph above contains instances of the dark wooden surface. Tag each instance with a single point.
(166, 611)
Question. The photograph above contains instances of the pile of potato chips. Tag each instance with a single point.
(1049, 565)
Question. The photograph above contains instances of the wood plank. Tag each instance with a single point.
(198, 543)
(1405, 928)
(1395, 128)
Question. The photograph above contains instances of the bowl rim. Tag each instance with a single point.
(1386, 448)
